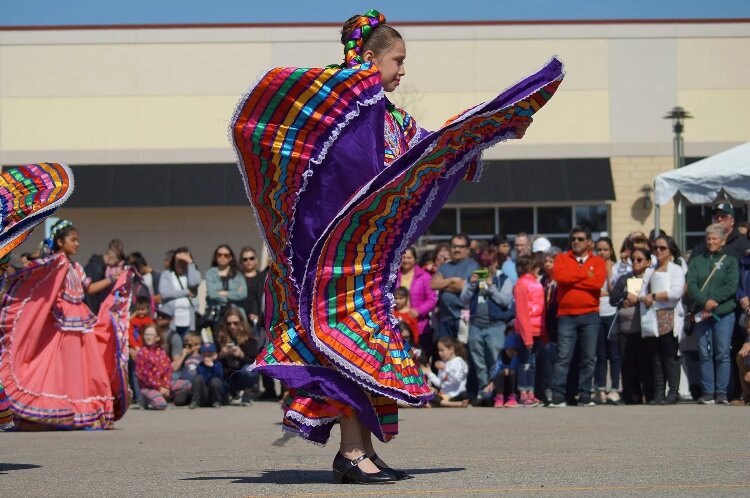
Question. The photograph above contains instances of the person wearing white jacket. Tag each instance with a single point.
(451, 376)
(663, 287)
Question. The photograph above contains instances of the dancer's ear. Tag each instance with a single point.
(368, 56)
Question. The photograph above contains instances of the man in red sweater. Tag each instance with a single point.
(580, 275)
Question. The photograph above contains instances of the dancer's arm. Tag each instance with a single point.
(102, 284)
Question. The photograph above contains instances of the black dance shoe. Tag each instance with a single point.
(399, 475)
(346, 471)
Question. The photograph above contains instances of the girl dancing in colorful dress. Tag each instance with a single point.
(342, 182)
(62, 366)
(28, 195)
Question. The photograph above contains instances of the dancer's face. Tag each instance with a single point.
(70, 244)
(390, 63)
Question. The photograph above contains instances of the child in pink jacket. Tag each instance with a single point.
(528, 294)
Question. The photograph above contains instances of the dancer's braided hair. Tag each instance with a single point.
(366, 32)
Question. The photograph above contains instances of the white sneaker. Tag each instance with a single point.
(557, 405)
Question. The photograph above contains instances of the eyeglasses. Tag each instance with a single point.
(661, 248)
(229, 324)
(223, 255)
(249, 258)
(459, 246)
(577, 239)
(639, 260)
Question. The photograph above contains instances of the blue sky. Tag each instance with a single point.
(65, 12)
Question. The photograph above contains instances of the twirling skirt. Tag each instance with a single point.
(336, 221)
(62, 378)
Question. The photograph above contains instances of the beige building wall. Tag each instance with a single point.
(166, 96)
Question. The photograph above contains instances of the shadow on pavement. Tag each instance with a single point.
(301, 476)
(5, 467)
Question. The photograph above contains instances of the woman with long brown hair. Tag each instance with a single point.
(237, 347)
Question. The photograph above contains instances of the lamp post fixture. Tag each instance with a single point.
(678, 115)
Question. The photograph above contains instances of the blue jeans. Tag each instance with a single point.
(527, 368)
(583, 329)
(607, 349)
(485, 344)
(714, 342)
(448, 327)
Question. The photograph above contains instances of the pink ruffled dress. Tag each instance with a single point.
(62, 366)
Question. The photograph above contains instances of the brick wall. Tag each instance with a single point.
(630, 176)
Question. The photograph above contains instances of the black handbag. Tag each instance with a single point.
(211, 317)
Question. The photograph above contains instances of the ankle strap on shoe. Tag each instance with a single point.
(356, 461)
(373, 457)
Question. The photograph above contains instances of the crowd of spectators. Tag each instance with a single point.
(582, 326)
(506, 322)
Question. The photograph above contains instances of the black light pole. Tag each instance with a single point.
(678, 115)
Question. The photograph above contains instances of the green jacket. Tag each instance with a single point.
(722, 287)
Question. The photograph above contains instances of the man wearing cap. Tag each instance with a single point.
(541, 245)
(735, 243)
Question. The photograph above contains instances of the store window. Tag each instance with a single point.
(554, 222)
(478, 222)
(444, 225)
(593, 217)
(515, 220)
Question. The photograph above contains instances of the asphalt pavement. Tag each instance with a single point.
(684, 450)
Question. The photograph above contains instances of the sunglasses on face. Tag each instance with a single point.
(577, 239)
(639, 260)
(229, 324)
(661, 248)
(459, 246)
(223, 255)
(249, 258)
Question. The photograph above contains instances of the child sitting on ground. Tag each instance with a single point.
(138, 320)
(186, 365)
(451, 376)
(208, 385)
(504, 373)
(154, 373)
(401, 311)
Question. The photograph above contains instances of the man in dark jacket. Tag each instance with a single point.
(735, 244)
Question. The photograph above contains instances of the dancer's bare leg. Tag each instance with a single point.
(369, 448)
(352, 443)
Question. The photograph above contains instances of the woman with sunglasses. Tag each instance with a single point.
(254, 278)
(636, 376)
(237, 347)
(662, 352)
(225, 284)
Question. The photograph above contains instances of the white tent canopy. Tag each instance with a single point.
(724, 174)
